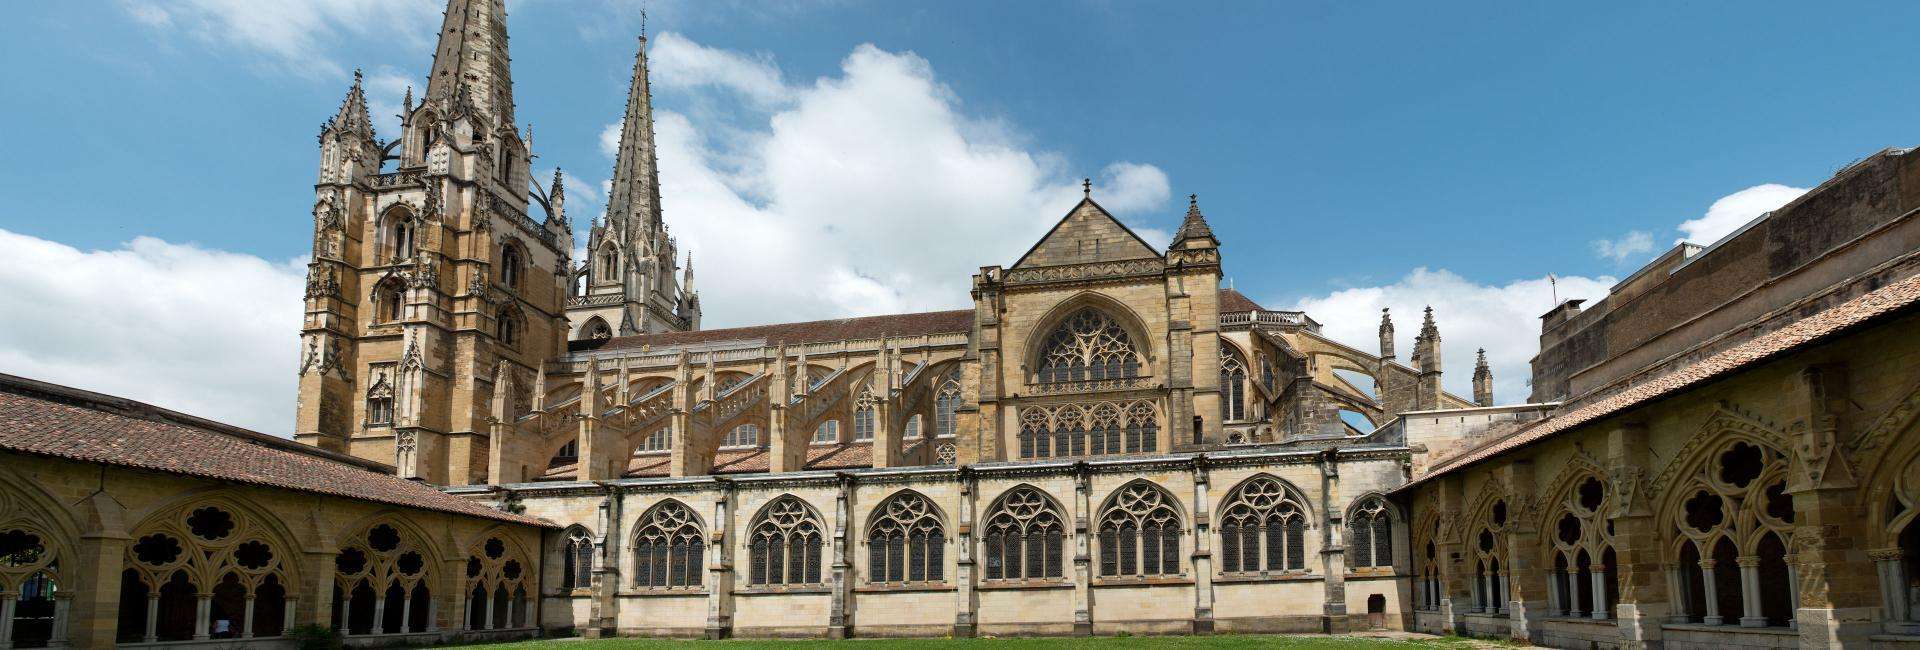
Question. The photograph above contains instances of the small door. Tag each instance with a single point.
(1377, 611)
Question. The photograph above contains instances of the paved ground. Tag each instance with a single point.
(1363, 641)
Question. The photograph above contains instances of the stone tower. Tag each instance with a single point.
(628, 284)
(1426, 360)
(429, 279)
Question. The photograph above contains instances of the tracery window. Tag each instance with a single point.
(576, 559)
(745, 435)
(1052, 431)
(195, 568)
(904, 541)
(1233, 384)
(669, 550)
(1139, 533)
(863, 410)
(496, 586)
(1488, 548)
(606, 266)
(30, 578)
(1088, 345)
(946, 404)
(946, 454)
(828, 432)
(400, 238)
(598, 329)
(784, 546)
(1582, 581)
(1263, 528)
(382, 583)
(1024, 536)
(1370, 534)
(659, 441)
(510, 261)
(380, 397)
(1733, 523)
(1429, 585)
(387, 296)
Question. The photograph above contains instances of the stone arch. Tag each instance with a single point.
(269, 525)
(1139, 530)
(399, 232)
(1575, 471)
(1717, 503)
(1265, 526)
(38, 540)
(1726, 422)
(1293, 492)
(1888, 454)
(200, 559)
(595, 328)
(1372, 517)
(905, 534)
(1023, 534)
(669, 546)
(497, 580)
(786, 541)
(1127, 318)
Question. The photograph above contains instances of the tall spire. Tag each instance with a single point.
(353, 117)
(471, 66)
(633, 203)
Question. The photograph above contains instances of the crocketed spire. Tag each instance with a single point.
(1195, 226)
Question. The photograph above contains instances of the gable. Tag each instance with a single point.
(1087, 234)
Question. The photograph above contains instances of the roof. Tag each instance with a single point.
(933, 322)
(736, 461)
(1799, 334)
(1092, 208)
(1234, 301)
(56, 421)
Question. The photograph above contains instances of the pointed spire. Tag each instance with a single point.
(1427, 328)
(633, 201)
(1386, 333)
(1195, 226)
(1482, 380)
(557, 196)
(406, 103)
(471, 64)
(352, 118)
(686, 276)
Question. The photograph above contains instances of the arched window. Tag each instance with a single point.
(1430, 575)
(904, 541)
(1487, 549)
(1024, 536)
(606, 266)
(1263, 528)
(597, 329)
(946, 404)
(381, 583)
(745, 435)
(828, 432)
(659, 441)
(946, 454)
(400, 238)
(1088, 345)
(380, 398)
(863, 410)
(510, 263)
(577, 560)
(1736, 515)
(29, 565)
(784, 544)
(1370, 535)
(1233, 384)
(196, 549)
(1139, 533)
(1099, 428)
(669, 550)
(1582, 582)
(496, 584)
(509, 324)
(387, 299)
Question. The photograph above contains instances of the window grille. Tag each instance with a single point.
(904, 541)
(1024, 536)
(1263, 528)
(1139, 533)
(1370, 535)
(1101, 428)
(786, 544)
(668, 547)
(1088, 345)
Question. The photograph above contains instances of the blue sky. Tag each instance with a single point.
(1350, 155)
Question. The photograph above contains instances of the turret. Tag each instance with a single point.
(1482, 380)
(1386, 334)
(348, 150)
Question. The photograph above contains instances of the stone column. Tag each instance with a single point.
(1202, 558)
(720, 563)
(62, 608)
(1750, 592)
(1522, 577)
(346, 611)
(1082, 554)
(1838, 596)
(839, 623)
(1645, 600)
(1712, 616)
(406, 616)
(96, 593)
(491, 603)
(246, 623)
(1599, 572)
(153, 617)
(8, 602)
(1555, 578)
(379, 613)
(965, 620)
(1677, 585)
(1333, 549)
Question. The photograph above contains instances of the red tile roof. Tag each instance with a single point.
(1234, 301)
(45, 419)
(933, 322)
(736, 461)
(1801, 333)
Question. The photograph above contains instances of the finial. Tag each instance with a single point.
(356, 76)
(406, 104)
(1086, 187)
(643, 24)
(1193, 200)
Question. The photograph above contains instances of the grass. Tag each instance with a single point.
(1294, 642)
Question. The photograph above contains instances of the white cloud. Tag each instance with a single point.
(1504, 319)
(868, 192)
(205, 332)
(677, 62)
(1735, 210)
(1638, 242)
(610, 139)
(292, 35)
(386, 88)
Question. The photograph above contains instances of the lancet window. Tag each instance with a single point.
(1088, 345)
(387, 296)
(669, 550)
(1139, 533)
(785, 544)
(380, 396)
(1263, 528)
(1094, 429)
(1370, 534)
(1428, 587)
(1488, 547)
(1025, 535)
(496, 587)
(511, 261)
(1732, 526)
(946, 404)
(905, 542)
(400, 237)
(1233, 384)
(510, 323)
(606, 266)
(576, 559)
(1583, 581)
(202, 570)
(30, 582)
(382, 583)
(863, 417)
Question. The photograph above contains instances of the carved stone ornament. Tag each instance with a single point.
(322, 282)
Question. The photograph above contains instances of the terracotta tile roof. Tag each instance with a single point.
(1233, 301)
(735, 461)
(50, 420)
(1806, 331)
(933, 322)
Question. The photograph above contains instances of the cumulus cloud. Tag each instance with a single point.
(205, 332)
(1621, 249)
(1502, 318)
(386, 89)
(866, 192)
(292, 35)
(1735, 210)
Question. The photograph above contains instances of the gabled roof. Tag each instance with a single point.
(1056, 245)
(55, 421)
(1234, 301)
(840, 329)
(1896, 297)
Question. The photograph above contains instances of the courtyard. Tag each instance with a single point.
(1292, 642)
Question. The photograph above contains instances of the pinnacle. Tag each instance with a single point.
(1195, 226)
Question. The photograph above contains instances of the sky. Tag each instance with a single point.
(848, 157)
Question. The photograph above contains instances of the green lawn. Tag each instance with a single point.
(1051, 643)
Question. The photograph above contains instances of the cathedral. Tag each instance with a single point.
(495, 440)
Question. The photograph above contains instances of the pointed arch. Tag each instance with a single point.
(497, 579)
(577, 553)
(1264, 524)
(388, 297)
(1140, 531)
(1101, 325)
(906, 540)
(1371, 521)
(208, 541)
(669, 546)
(399, 234)
(785, 543)
(385, 572)
(1025, 535)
